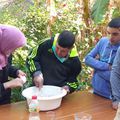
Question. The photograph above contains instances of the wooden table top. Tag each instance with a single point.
(100, 108)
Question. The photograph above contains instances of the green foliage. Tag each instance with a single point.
(99, 9)
(6, 18)
(67, 18)
(116, 12)
(35, 21)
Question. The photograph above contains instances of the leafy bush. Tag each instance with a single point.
(35, 21)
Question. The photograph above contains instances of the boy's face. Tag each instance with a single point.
(62, 52)
(114, 35)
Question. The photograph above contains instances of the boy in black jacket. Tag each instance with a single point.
(55, 62)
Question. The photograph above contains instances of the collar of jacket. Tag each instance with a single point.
(114, 47)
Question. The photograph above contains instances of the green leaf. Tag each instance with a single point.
(99, 9)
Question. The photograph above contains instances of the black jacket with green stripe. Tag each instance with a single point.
(54, 72)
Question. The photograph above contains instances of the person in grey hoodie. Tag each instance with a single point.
(101, 58)
(115, 80)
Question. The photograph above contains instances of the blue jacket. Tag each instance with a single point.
(101, 77)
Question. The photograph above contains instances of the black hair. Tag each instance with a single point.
(114, 23)
(66, 39)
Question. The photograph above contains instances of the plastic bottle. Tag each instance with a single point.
(34, 109)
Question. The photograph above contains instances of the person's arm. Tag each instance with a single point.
(33, 63)
(4, 87)
(17, 82)
(91, 60)
(33, 59)
(13, 71)
(72, 83)
(104, 74)
(115, 77)
(34, 66)
(3, 91)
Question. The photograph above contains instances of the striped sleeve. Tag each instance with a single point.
(31, 57)
(34, 57)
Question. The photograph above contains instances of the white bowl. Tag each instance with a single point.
(49, 97)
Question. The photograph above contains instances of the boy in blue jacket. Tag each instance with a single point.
(106, 50)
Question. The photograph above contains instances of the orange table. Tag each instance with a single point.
(100, 108)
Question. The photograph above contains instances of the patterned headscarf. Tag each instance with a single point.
(11, 38)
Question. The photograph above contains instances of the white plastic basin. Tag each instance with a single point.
(49, 97)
